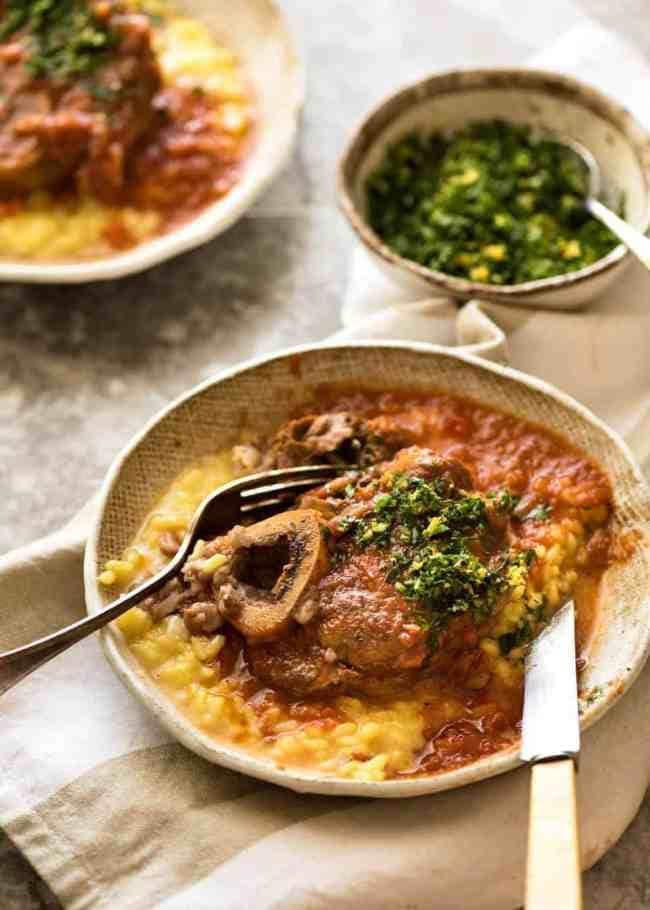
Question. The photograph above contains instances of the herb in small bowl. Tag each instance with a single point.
(493, 203)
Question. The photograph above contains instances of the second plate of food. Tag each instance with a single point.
(134, 130)
(474, 501)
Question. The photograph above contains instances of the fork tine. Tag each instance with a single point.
(276, 495)
(266, 505)
(220, 509)
(292, 487)
(280, 475)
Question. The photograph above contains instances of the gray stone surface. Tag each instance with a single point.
(81, 368)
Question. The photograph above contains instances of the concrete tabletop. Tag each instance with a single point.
(81, 368)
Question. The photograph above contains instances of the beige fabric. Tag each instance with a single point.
(223, 813)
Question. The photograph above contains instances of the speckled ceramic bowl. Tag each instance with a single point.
(259, 34)
(263, 394)
(448, 102)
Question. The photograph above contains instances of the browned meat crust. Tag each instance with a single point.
(338, 437)
(365, 621)
(428, 465)
(299, 665)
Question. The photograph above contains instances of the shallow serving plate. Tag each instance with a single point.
(257, 31)
(261, 395)
(547, 101)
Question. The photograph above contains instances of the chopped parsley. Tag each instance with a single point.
(66, 38)
(526, 631)
(504, 501)
(433, 533)
(493, 203)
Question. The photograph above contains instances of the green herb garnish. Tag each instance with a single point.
(504, 501)
(433, 533)
(493, 203)
(527, 629)
(65, 38)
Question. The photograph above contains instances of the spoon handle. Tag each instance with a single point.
(634, 240)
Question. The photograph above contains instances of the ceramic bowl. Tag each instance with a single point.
(557, 104)
(262, 394)
(257, 31)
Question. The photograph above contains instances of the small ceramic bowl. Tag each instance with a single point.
(257, 31)
(547, 101)
(263, 394)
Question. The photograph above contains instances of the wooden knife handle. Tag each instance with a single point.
(553, 872)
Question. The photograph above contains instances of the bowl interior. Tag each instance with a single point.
(258, 33)
(545, 101)
(264, 394)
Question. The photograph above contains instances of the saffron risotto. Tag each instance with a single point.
(362, 738)
(47, 225)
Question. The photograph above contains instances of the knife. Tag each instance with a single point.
(550, 743)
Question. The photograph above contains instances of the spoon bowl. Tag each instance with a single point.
(634, 240)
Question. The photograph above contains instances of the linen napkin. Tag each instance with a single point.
(114, 814)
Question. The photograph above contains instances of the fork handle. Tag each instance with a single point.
(18, 663)
(553, 870)
(15, 667)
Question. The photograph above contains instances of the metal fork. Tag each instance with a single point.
(253, 497)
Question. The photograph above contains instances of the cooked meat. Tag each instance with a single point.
(202, 618)
(365, 621)
(331, 497)
(167, 600)
(298, 665)
(459, 656)
(428, 465)
(51, 129)
(361, 623)
(397, 434)
(316, 438)
(338, 437)
(169, 542)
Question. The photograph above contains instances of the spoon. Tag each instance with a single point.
(633, 239)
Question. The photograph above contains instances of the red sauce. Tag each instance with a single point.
(187, 162)
(500, 450)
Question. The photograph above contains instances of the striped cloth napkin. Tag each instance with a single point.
(114, 814)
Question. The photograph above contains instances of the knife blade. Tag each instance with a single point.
(550, 723)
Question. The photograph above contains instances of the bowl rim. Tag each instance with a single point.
(459, 80)
(207, 223)
(299, 780)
